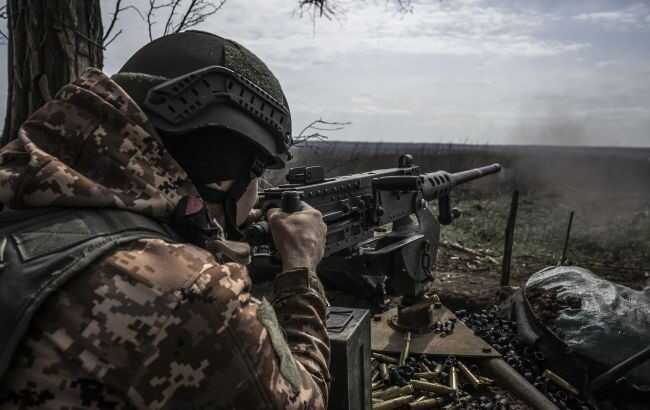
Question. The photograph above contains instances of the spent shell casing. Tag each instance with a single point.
(381, 394)
(376, 375)
(427, 404)
(424, 367)
(560, 382)
(393, 392)
(438, 368)
(383, 371)
(485, 380)
(432, 387)
(384, 358)
(453, 378)
(426, 375)
(471, 377)
(393, 404)
(406, 350)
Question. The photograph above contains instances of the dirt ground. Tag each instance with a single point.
(610, 236)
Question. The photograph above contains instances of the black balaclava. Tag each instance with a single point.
(207, 159)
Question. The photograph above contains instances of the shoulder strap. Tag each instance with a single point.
(40, 250)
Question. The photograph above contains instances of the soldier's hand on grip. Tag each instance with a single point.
(299, 237)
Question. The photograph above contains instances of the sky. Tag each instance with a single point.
(464, 71)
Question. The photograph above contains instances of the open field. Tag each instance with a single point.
(608, 188)
(613, 245)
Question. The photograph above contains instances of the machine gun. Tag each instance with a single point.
(358, 207)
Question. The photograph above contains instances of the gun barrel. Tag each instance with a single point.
(438, 184)
(472, 174)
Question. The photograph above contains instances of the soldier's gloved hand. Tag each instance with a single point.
(299, 237)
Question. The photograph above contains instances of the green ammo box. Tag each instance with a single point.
(349, 332)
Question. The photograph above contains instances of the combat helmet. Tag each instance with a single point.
(192, 83)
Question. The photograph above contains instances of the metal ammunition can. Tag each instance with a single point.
(349, 333)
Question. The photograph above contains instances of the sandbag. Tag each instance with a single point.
(600, 320)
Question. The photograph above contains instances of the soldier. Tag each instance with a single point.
(119, 288)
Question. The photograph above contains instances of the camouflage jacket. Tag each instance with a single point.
(152, 325)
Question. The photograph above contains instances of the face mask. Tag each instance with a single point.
(245, 202)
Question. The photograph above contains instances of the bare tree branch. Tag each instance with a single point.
(197, 12)
(109, 37)
(181, 14)
(154, 6)
(111, 25)
(3, 16)
(318, 125)
(319, 8)
(108, 43)
(331, 8)
(170, 18)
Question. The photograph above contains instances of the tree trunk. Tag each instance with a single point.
(50, 43)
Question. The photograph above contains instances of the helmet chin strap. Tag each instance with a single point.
(229, 198)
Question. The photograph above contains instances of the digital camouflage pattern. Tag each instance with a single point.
(153, 325)
(91, 147)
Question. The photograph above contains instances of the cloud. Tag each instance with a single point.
(453, 70)
(365, 104)
(636, 16)
(456, 28)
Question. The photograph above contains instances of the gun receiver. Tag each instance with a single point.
(358, 209)
(354, 206)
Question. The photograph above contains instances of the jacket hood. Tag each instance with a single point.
(91, 146)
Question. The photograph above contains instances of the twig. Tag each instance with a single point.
(473, 252)
(196, 12)
(326, 129)
(318, 125)
(330, 8)
(186, 15)
(151, 11)
(324, 8)
(108, 43)
(170, 17)
(111, 25)
(107, 39)
(314, 125)
(3, 16)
